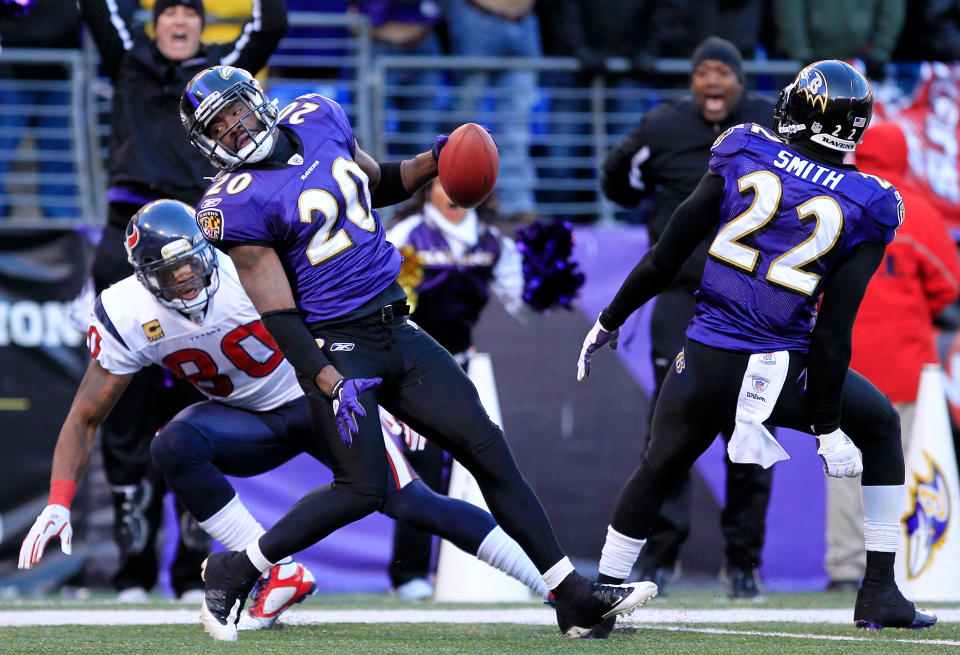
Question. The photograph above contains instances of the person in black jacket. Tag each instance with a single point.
(665, 156)
(151, 157)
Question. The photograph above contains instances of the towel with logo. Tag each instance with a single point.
(763, 380)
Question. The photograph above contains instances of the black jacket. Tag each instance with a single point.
(150, 153)
(666, 155)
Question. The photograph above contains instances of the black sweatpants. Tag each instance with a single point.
(743, 519)
(424, 387)
(701, 400)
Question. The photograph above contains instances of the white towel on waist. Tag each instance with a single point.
(763, 380)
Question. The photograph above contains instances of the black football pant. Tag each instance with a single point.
(412, 548)
(701, 401)
(424, 387)
(151, 399)
(743, 519)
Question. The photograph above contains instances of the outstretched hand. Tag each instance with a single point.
(596, 338)
(346, 405)
(54, 521)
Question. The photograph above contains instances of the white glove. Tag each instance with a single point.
(396, 427)
(54, 521)
(596, 338)
(841, 459)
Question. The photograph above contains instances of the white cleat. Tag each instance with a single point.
(285, 584)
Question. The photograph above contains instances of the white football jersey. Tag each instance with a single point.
(230, 357)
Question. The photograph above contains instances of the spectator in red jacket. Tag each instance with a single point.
(893, 336)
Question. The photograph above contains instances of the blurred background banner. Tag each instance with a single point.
(925, 105)
(42, 357)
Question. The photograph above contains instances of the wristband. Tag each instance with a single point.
(390, 191)
(297, 345)
(61, 492)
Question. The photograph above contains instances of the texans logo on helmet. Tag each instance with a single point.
(210, 221)
(928, 520)
(133, 239)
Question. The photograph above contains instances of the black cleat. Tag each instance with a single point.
(585, 603)
(882, 606)
(602, 630)
(745, 585)
(227, 582)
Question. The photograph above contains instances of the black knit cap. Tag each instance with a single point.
(160, 5)
(713, 47)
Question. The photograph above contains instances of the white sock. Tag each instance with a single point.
(256, 557)
(619, 554)
(500, 551)
(233, 525)
(882, 505)
(556, 573)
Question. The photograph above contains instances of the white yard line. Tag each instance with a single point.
(528, 616)
(794, 635)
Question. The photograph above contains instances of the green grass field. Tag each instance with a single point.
(427, 634)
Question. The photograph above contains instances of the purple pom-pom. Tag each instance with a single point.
(550, 277)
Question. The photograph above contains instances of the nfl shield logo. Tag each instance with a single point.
(759, 383)
(768, 358)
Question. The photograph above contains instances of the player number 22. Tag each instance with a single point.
(787, 269)
(327, 243)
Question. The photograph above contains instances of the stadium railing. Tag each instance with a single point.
(573, 121)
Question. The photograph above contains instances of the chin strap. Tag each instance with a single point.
(259, 152)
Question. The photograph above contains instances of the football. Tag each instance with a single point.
(468, 164)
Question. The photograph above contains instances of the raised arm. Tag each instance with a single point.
(394, 182)
(259, 36)
(112, 31)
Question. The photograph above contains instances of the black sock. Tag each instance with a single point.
(609, 579)
(568, 585)
(247, 569)
(879, 567)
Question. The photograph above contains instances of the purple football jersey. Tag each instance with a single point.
(786, 223)
(315, 212)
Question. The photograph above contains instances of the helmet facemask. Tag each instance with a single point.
(185, 279)
(254, 103)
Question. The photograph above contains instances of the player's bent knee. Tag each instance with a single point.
(174, 445)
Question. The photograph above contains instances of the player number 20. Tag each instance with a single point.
(327, 243)
(787, 269)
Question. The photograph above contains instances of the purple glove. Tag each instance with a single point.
(346, 405)
(596, 338)
(438, 144)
